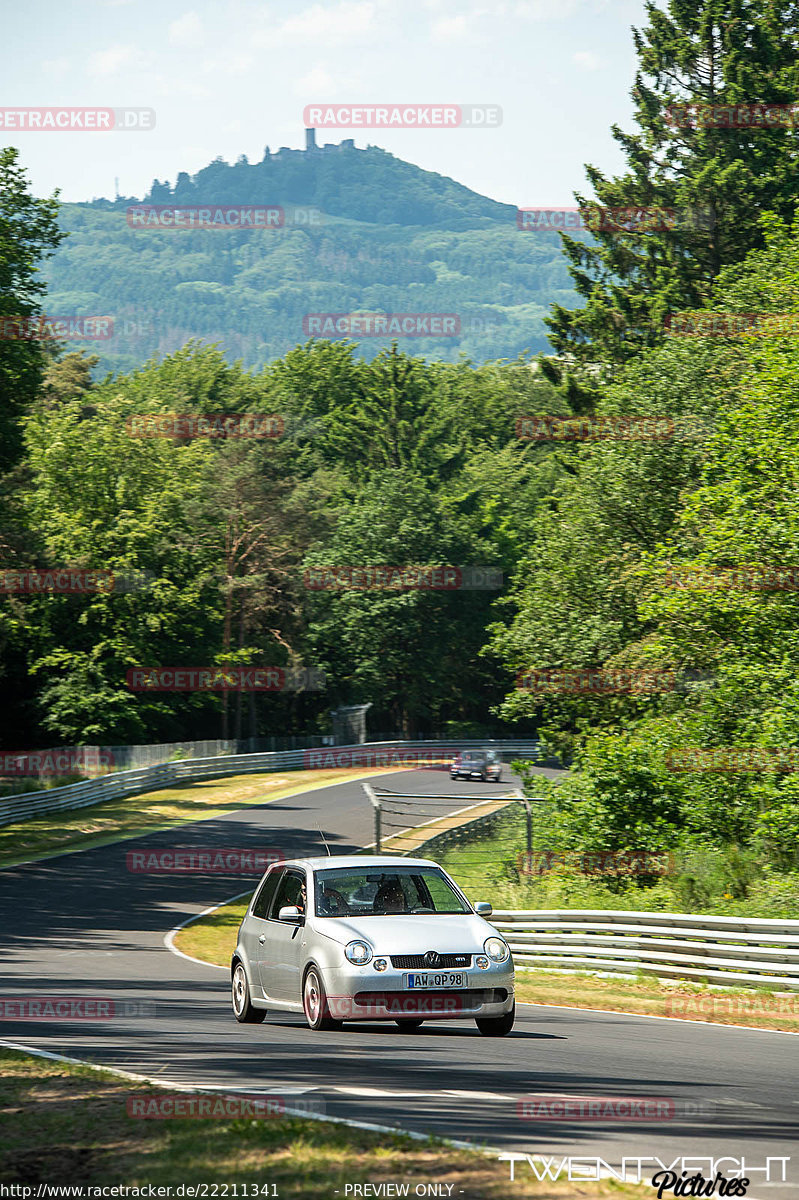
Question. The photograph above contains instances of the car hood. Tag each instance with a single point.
(404, 934)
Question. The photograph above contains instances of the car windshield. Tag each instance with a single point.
(474, 757)
(370, 891)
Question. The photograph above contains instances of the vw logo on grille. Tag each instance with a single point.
(432, 958)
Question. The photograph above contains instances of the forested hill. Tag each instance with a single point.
(360, 185)
(388, 237)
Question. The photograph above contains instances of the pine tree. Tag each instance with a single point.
(698, 53)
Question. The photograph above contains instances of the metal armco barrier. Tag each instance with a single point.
(756, 951)
(148, 779)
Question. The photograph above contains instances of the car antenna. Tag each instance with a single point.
(322, 836)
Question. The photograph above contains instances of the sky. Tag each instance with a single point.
(228, 77)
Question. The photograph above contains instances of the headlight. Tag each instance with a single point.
(496, 949)
(359, 953)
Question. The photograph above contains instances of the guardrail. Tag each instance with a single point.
(756, 951)
(147, 779)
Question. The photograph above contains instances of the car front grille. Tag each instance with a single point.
(415, 962)
(438, 1001)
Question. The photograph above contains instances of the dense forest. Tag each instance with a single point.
(372, 233)
(607, 546)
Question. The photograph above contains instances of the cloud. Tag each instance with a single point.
(56, 68)
(231, 63)
(110, 61)
(171, 85)
(457, 28)
(317, 82)
(342, 22)
(187, 31)
(586, 60)
(544, 10)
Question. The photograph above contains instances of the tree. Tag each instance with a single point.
(705, 53)
(28, 233)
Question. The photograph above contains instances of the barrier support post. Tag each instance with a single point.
(377, 809)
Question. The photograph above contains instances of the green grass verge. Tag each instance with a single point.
(117, 820)
(728, 882)
(67, 1124)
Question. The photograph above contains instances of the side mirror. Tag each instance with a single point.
(290, 912)
(482, 908)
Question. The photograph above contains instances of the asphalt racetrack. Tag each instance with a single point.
(82, 925)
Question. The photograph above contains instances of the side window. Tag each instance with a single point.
(261, 906)
(290, 891)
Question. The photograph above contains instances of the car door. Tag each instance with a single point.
(283, 951)
(255, 929)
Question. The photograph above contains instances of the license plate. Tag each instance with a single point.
(431, 980)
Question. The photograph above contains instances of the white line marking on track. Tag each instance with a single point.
(290, 1112)
(615, 1012)
(169, 937)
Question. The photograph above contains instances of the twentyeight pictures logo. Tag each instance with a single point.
(77, 120)
(402, 116)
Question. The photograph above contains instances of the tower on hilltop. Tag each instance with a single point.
(310, 139)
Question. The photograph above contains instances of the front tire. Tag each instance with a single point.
(497, 1026)
(243, 1010)
(314, 1003)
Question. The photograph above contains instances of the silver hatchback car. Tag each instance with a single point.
(370, 938)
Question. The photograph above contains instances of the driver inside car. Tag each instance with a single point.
(390, 898)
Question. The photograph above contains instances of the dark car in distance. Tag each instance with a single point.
(477, 764)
